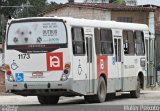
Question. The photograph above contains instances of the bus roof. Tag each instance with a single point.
(95, 23)
(106, 24)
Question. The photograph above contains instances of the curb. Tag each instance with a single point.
(6, 94)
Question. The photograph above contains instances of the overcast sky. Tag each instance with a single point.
(154, 2)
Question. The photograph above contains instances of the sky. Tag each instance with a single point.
(154, 2)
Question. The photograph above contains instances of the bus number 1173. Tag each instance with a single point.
(24, 56)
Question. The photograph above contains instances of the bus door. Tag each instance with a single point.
(82, 59)
(89, 68)
(79, 60)
(118, 62)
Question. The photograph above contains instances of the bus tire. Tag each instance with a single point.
(101, 93)
(42, 99)
(102, 90)
(136, 93)
(52, 99)
(48, 99)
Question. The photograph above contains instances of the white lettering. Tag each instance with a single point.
(54, 61)
(102, 64)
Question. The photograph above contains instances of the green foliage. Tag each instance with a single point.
(52, 4)
(31, 9)
(25, 8)
(117, 1)
(8, 11)
(120, 1)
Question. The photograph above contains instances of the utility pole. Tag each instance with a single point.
(1, 22)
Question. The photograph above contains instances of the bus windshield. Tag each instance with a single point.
(34, 33)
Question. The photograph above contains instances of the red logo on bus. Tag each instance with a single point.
(54, 61)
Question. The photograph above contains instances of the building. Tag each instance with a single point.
(103, 11)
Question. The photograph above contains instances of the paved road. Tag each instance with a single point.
(148, 100)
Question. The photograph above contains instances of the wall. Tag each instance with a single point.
(138, 17)
(157, 41)
(157, 20)
(87, 13)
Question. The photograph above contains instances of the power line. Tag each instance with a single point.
(15, 6)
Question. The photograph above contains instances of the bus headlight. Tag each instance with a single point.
(7, 68)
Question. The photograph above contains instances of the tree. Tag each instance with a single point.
(23, 8)
(120, 1)
(117, 1)
(32, 8)
(52, 4)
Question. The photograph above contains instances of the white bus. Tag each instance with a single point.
(49, 57)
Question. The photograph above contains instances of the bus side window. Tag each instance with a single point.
(97, 40)
(128, 42)
(106, 41)
(78, 41)
(139, 39)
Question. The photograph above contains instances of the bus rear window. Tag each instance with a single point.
(42, 32)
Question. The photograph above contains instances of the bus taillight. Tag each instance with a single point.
(67, 66)
(9, 73)
(65, 73)
(7, 68)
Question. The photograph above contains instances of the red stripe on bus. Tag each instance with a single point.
(102, 66)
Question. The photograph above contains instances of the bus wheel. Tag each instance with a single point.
(48, 99)
(101, 93)
(102, 90)
(42, 99)
(136, 93)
